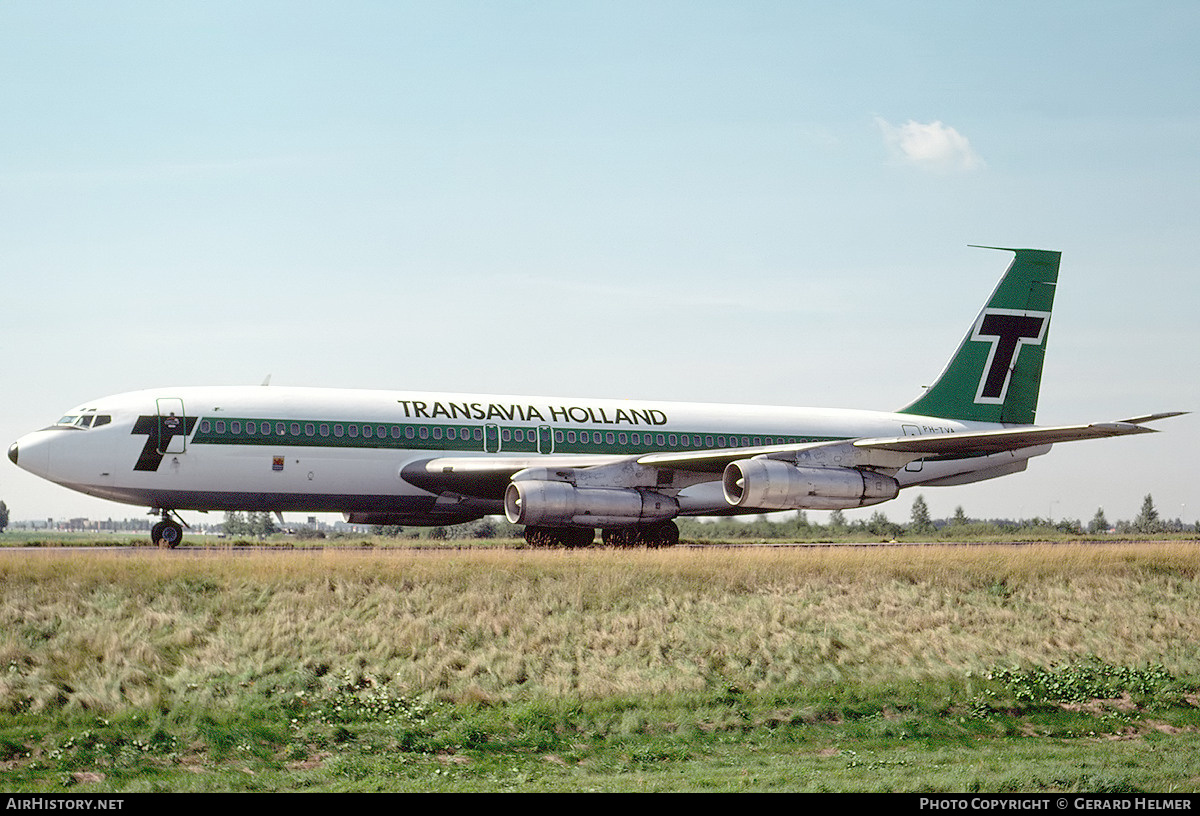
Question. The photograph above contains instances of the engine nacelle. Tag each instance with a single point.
(555, 504)
(769, 484)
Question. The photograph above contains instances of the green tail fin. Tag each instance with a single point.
(997, 371)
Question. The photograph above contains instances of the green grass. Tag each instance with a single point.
(1043, 668)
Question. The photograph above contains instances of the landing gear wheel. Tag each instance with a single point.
(620, 537)
(559, 537)
(663, 534)
(166, 534)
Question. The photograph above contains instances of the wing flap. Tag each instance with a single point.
(486, 476)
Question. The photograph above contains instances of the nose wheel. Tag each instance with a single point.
(167, 534)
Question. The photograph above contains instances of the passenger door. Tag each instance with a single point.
(172, 425)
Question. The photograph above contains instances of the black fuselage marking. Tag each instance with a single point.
(159, 431)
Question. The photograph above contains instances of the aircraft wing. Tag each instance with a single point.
(488, 476)
(895, 452)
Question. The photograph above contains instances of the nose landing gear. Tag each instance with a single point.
(167, 533)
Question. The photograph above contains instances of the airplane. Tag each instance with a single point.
(565, 467)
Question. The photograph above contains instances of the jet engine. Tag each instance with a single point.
(770, 484)
(543, 503)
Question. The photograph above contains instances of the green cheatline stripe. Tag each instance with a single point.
(514, 439)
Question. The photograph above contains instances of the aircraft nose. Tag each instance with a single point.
(32, 453)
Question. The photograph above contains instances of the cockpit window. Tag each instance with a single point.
(88, 420)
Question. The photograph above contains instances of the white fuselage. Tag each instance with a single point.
(332, 450)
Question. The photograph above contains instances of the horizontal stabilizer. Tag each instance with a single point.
(1151, 417)
(975, 443)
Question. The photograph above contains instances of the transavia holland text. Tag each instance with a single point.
(526, 413)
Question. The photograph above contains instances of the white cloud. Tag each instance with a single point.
(934, 146)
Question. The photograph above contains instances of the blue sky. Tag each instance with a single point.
(729, 202)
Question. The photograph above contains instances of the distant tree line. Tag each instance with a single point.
(922, 525)
(797, 527)
(484, 528)
(259, 525)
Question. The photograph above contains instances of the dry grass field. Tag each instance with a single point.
(757, 638)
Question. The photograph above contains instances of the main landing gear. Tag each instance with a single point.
(166, 533)
(662, 534)
(559, 537)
